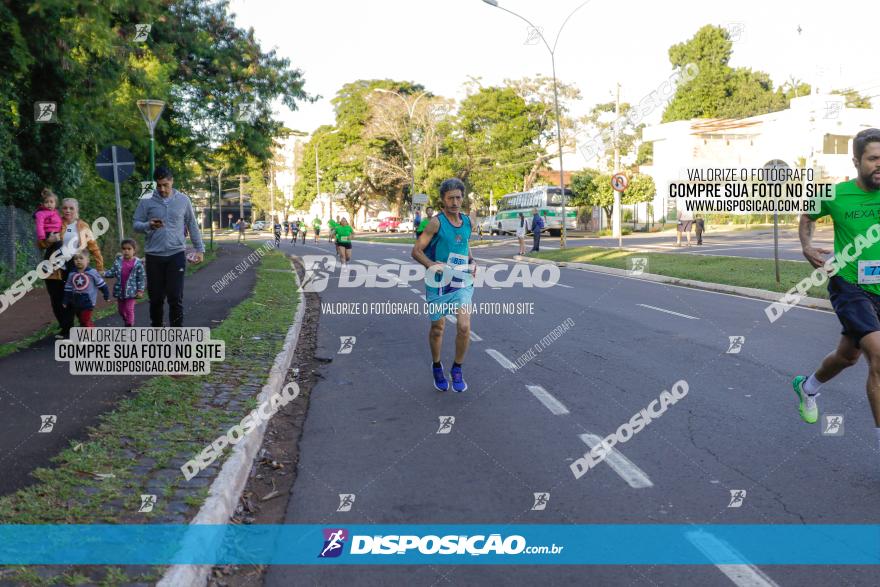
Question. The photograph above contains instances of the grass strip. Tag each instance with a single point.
(738, 271)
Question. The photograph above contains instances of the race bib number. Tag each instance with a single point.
(461, 269)
(869, 272)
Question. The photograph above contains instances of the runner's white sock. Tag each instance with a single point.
(812, 385)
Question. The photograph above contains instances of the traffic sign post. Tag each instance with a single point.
(776, 164)
(116, 164)
(618, 184)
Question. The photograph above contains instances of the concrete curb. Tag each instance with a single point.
(230, 482)
(749, 292)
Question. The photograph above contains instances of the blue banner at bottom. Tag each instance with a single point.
(632, 544)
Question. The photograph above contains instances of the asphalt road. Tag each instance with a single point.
(372, 426)
(741, 243)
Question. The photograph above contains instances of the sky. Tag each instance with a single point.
(440, 44)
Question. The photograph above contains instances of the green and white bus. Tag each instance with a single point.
(548, 201)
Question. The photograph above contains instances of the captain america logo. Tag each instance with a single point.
(80, 282)
(334, 542)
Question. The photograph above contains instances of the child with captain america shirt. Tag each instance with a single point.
(81, 289)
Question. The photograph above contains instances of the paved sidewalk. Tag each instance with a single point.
(32, 383)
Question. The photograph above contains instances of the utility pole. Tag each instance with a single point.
(272, 192)
(241, 196)
(615, 221)
(317, 175)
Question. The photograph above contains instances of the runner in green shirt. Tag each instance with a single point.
(855, 290)
(344, 233)
(316, 225)
(429, 212)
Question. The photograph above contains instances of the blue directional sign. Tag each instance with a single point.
(115, 164)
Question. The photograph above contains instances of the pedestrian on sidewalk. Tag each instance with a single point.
(537, 227)
(685, 225)
(700, 225)
(75, 235)
(521, 233)
(162, 218)
(131, 280)
(81, 289)
(241, 227)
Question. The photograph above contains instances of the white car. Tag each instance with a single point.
(405, 226)
(371, 224)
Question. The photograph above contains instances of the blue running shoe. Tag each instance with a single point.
(440, 383)
(458, 383)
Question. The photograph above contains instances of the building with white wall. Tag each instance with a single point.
(817, 129)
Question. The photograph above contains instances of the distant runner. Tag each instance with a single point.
(344, 234)
(429, 213)
(316, 226)
(855, 290)
(443, 249)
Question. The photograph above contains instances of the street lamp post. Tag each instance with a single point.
(552, 51)
(318, 171)
(410, 110)
(151, 110)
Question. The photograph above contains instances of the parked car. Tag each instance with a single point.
(390, 224)
(405, 226)
(371, 224)
(260, 225)
(488, 225)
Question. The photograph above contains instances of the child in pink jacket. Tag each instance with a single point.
(48, 220)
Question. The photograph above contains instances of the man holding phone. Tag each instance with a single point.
(162, 218)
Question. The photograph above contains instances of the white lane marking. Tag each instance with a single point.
(563, 285)
(399, 261)
(668, 311)
(551, 403)
(472, 335)
(715, 549)
(415, 291)
(625, 468)
(366, 262)
(502, 360)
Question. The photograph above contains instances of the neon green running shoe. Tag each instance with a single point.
(807, 403)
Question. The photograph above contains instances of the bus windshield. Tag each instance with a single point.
(554, 197)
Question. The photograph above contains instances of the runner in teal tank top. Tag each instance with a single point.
(443, 248)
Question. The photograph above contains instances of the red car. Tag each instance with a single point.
(390, 224)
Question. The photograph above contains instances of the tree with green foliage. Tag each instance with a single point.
(718, 90)
(195, 59)
(854, 99)
(593, 188)
(641, 188)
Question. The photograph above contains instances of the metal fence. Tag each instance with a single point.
(18, 240)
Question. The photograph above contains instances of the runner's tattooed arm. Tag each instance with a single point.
(814, 255)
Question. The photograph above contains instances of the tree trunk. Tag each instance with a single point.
(608, 211)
